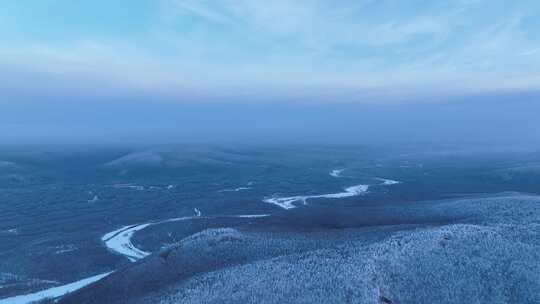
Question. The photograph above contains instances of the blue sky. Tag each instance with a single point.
(245, 70)
(360, 50)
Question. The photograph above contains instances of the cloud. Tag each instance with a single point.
(202, 10)
(530, 52)
(239, 46)
(317, 22)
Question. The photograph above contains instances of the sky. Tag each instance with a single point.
(259, 55)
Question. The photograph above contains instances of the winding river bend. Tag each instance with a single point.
(119, 241)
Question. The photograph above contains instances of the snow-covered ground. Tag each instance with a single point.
(388, 182)
(288, 202)
(489, 255)
(235, 189)
(54, 292)
(119, 241)
(336, 172)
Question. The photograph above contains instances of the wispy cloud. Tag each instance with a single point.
(352, 45)
(530, 52)
(202, 9)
